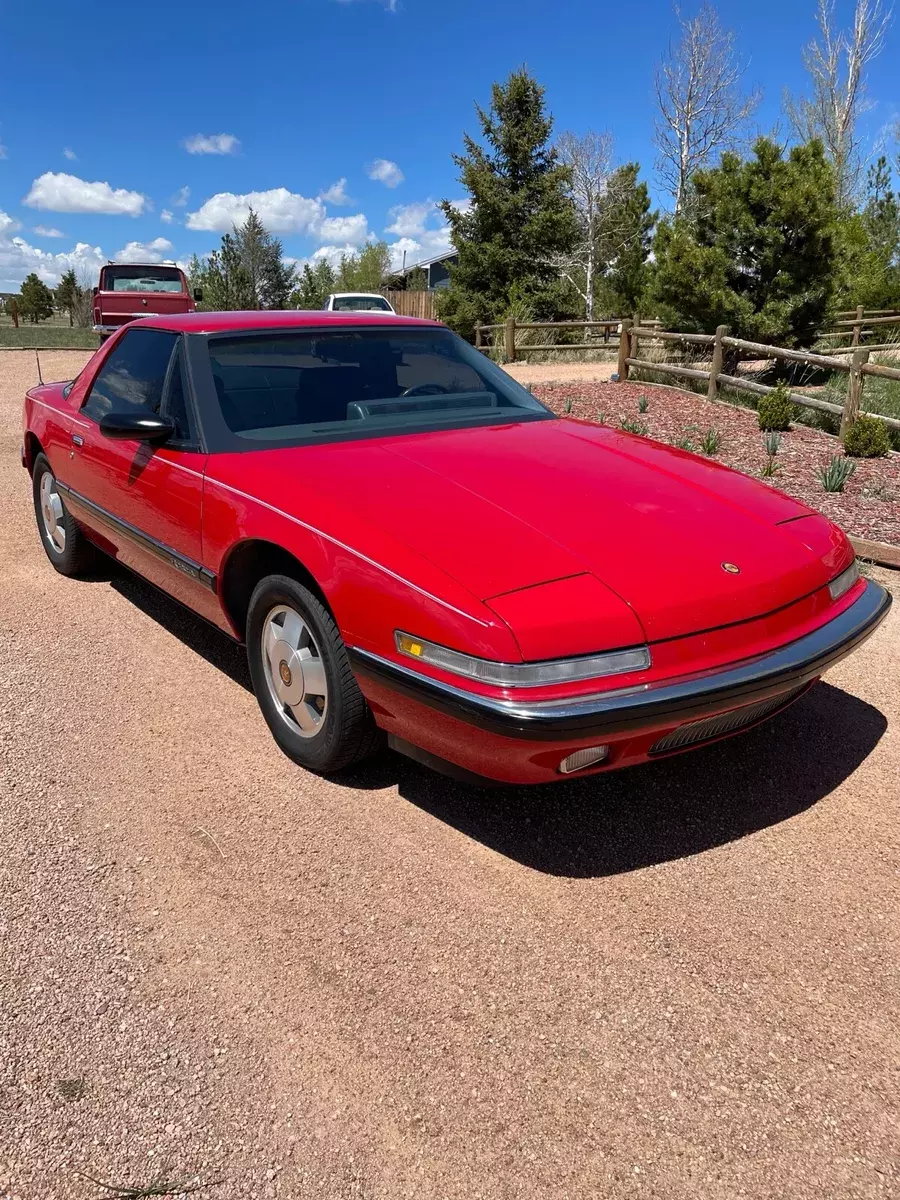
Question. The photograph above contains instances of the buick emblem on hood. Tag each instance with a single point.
(731, 568)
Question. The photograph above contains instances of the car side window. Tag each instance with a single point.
(176, 401)
(134, 374)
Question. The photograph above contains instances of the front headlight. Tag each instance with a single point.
(523, 675)
(845, 581)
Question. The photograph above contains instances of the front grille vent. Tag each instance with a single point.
(709, 728)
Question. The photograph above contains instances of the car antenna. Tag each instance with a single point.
(37, 359)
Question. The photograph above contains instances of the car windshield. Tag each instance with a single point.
(360, 304)
(142, 279)
(299, 386)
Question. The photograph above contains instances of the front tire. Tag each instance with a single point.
(66, 546)
(303, 681)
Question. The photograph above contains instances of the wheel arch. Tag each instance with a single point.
(33, 448)
(250, 561)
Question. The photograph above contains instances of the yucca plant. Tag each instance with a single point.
(632, 426)
(710, 442)
(773, 444)
(685, 442)
(643, 404)
(567, 407)
(770, 467)
(835, 475)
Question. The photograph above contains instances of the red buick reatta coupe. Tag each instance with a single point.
(410, 544)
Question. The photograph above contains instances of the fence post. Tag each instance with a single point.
(716, 369)
(510, 342)
(854, 390)
(624, 348)
(857, 328)
(635, 324)
(14, 312)
(478, 337)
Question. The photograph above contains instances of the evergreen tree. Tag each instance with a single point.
(521, 217)
(68, 294)
(871, 245)
(315, 284)
(757, 252)
(627, 236)
(35, 300)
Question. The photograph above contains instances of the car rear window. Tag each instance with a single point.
(284, 388)
(360, 304)
(142, 279)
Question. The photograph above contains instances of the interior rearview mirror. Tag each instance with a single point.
(137, 426)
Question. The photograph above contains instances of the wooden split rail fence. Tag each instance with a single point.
(858, 368)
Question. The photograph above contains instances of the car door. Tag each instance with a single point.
(143, 501)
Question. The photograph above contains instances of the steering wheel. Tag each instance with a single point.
(426, 389)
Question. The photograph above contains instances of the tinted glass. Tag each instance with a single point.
(361, 304)
(284, 387)
(142, 279)
(176, 402)
(133, 375)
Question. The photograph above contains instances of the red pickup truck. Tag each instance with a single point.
(128, 291)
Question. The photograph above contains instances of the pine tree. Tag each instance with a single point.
(35, 300)
(521, 217)
(627, 237)
(67, 294)
(757, 251)
(315, 284)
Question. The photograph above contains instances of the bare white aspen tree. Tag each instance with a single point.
(589, 159)
(836, 62)
(701, 102)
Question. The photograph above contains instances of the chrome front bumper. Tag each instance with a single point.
(786, 669)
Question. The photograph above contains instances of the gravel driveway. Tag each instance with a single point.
(677, 982)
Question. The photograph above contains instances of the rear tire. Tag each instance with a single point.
(65, 545)
(303, 681)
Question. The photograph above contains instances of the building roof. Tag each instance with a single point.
(218, 322)
(427, 262)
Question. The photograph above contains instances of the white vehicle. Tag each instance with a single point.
(356, 302)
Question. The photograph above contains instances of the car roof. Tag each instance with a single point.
(368, 295)
(142, 265)
(218, 322)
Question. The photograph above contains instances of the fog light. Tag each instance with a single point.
(588, 757)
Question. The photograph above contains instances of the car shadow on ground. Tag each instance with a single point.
(624, 820)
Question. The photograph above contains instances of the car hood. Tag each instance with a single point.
(509, 507)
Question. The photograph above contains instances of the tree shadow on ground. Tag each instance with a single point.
(623, 820)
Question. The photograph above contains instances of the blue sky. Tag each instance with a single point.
(101, 106)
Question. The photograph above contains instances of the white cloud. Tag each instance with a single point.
(139, 252)
(409, 219)
(166, 217)
(48, 231)
(8, 224)
(2, 150)
(333, 254)
(212, 143)
(430, 244)
(70, 154)
(352, 230)
(386, 172)
(18, 259)
(336, 194)
(181, 197)
(58, 192)
(279, 210)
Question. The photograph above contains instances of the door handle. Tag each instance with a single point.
(77, 439)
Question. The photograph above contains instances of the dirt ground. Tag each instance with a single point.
(676, 982)
(561, 372)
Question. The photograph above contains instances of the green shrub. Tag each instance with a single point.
(835, 475)
(867, 437)
(777, 410)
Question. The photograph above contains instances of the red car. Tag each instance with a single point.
(129, 291)
(410, 544)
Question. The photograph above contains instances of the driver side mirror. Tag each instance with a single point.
(137, 426)
(198, 295)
